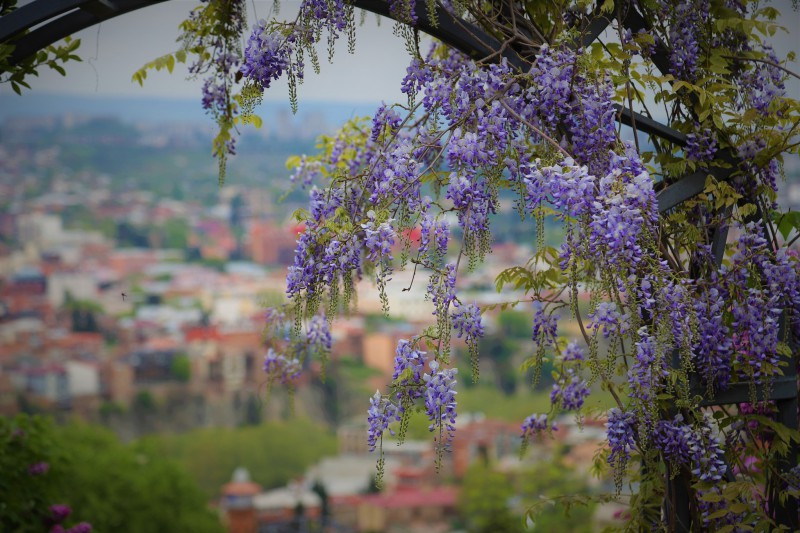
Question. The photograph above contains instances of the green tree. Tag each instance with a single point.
(274, 452)
(252, 411)
(500, 351)
(181, 367)
(113, 486)
(32, 466)
(175, 233)
(560, 501)
(484, 502)
(131, 488)
(514, 324)
(144, 402)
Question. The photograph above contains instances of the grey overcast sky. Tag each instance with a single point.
(113, 50)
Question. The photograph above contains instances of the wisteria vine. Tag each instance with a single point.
(536, 120)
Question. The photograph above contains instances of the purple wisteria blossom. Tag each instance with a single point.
(440, 403)
(404, 11)
(319, 334)
(381, 413)
(573, 352)
(215, 96)
(379, 240)
(620, 433)
(409, 367)
(280, 368)
(712, 351)
(692, 446)
(467, 322)
(545, 325)
(569, 391)
(328, 14)
(535, 424)
(701, 146)
(442, 289)
(764, 82)
(266, 56)
(687, 20)
(606, 318)
(472, 200)
(647, 374)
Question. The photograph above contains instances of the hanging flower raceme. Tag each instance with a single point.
(713, 349)
(607, 319)
(693, 446)
(573, 352)
(701, 146)
(764, 81)
(545, 325)
(381, 413)
(280, 368)
(409, 365)
(467, 322)
(378, 241)
(266, 56)
(620, 431)
(648, 372)
(535, 424)
(442, 290)
(440, 403)
(685, 34)
(319, 334)
(570, 391)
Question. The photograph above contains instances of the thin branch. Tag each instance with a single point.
(765, 61)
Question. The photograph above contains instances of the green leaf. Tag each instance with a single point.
(788, 222)
(293, 162)
(739, 507)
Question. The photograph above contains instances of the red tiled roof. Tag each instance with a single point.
(200, 333)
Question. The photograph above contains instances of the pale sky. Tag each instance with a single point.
(113, 50)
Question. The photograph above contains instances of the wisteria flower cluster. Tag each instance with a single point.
(265, 58)
(569, 391)
(673, 312)
(410, 383)
(280, 368)
(535, 424)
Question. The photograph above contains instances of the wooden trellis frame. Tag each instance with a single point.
(52, 20)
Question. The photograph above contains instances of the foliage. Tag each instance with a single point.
(485, 502)
(33, 466)
(531, 113)
(559, 499)
(15, 70)
(515, 324)
(131, 488)
(120, 487)
(212, 36)
(175, 233)
(181, 367)
(273, 452)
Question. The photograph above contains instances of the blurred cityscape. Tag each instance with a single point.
(132, 295)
